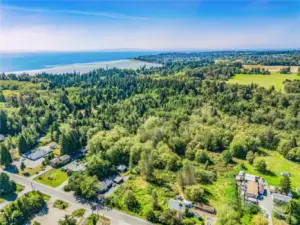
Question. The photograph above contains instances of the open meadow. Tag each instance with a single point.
(272, 69)
(267, 81)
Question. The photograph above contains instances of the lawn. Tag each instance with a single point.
(11, 196)
(266, 81)
(276, 164)
(52, 178)
(32, 171)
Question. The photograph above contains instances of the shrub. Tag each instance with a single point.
(92, 219)
(78, 212)
(60, 204)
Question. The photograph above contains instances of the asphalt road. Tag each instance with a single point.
(116, 217)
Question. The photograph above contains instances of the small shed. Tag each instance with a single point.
(188, 204)
(205, 208)
(122, 168)
(118, 180)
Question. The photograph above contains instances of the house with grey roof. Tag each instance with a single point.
(40, 152)
(283, 199)
(60, 161)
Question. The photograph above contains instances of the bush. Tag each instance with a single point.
(78, 212)
(260, 165)
(92, 219)
(201, 156)
(60, 204)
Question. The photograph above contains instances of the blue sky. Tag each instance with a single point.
(67, 25)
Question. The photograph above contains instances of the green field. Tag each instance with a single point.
(266, 81)
(52, 178)
(276, 164)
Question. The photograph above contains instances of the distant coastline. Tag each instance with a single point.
(87, 67)
(62, 62)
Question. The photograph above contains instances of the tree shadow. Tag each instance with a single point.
(10, 197)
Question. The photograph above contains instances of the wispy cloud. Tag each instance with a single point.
(78, 12)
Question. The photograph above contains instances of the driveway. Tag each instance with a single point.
(267, 204)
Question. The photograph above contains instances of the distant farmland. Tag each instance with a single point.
(266, 81)
(274, 69)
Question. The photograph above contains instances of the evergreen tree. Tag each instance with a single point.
(22, 166)
(64, 146)
(22, 145)
(285, 184)
(3, 122)
(6, 185)
(5, 156)
(2, 98)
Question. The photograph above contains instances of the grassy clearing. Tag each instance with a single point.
(142, 190)
(274, 69)
(52, 178)
(32, 171)
(10, 196)
(276, 164)
(275, 79)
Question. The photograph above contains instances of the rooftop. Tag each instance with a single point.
(64, 157)
(282, 198)
(250, 177)
(252, 188)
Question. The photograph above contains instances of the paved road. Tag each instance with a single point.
(116, 217)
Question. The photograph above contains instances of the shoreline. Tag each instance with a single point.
(87, 67)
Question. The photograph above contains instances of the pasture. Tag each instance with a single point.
(272, 69)
(266, 81)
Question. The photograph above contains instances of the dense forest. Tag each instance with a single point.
(190, 124)
(271, 58)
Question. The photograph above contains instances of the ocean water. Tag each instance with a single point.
(60, 62)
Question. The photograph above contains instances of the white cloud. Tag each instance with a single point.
(78, 12)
